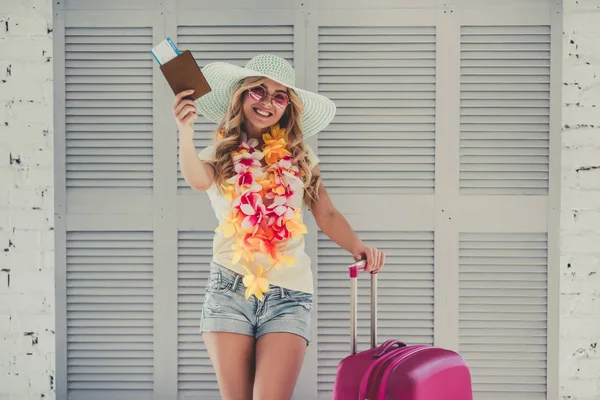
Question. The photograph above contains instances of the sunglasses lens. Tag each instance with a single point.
(281, 100)
(257, 93)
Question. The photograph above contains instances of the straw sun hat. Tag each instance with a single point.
(222, 77)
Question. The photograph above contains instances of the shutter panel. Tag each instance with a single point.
(505, 110)
(383, 82)
(503, 311)
(405, 298)
(110, 313)
(196, 377)
(108, 78)
(235, 44)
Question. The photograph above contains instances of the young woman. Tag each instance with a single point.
(258, 175)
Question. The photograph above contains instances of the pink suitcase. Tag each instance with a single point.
(395, 371)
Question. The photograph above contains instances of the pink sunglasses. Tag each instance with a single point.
(258, 93)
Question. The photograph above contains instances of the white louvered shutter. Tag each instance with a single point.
(503, 313)
(383, 81)
(195, 373)
(233, 44)
(110, 313)
(505, 110)
(504, 151)
(108, 79)
(108, 155)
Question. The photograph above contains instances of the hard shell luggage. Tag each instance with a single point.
(395, 371)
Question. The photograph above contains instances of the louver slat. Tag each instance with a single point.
(108, 78)
(405, 298)
(110, 312)
(195, 374)
(233, 44)
(503, 313)
(383, 82)
(505, 108)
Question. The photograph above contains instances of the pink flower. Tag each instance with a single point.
(248, 180)
(245, 179)
(251, 144)
(247, 157)
(280, 187)
(255, 220)
(253, 209)
(280, 231)
(250, 148)
(280, 194)
(286, 162)
(244, 164)
(248, 203)
(281, 209)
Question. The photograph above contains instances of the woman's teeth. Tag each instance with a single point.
(262, 113)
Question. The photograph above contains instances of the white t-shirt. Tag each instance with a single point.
(295, 277)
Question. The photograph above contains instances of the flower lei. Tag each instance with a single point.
(260, 217)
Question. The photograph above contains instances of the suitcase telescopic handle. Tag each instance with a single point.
(354, 269)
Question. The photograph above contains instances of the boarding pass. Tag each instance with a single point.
(165, 51)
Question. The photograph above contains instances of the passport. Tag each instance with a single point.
(180, 69)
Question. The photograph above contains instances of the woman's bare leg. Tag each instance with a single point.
(232, 356)
(279, 358)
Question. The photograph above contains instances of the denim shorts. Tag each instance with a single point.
(226, 308)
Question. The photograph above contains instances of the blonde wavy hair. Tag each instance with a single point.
(231, 127)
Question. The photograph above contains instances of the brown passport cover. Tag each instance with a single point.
(182, 73)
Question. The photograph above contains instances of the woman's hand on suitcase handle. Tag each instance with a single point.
(375, 258)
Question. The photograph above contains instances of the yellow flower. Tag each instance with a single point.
(256, 284)
(280, 190)
(285, 260)
(276, 134)
(229, 192)
(274, 153)
(232, 224)
(239, 252)
(221, 134)
(295, 226)
(275, 147)
(265, 182)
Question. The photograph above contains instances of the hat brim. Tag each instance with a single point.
(318, 110)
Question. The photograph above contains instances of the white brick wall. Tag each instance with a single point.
(26, 202)
(580, 216)
(27, 341)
